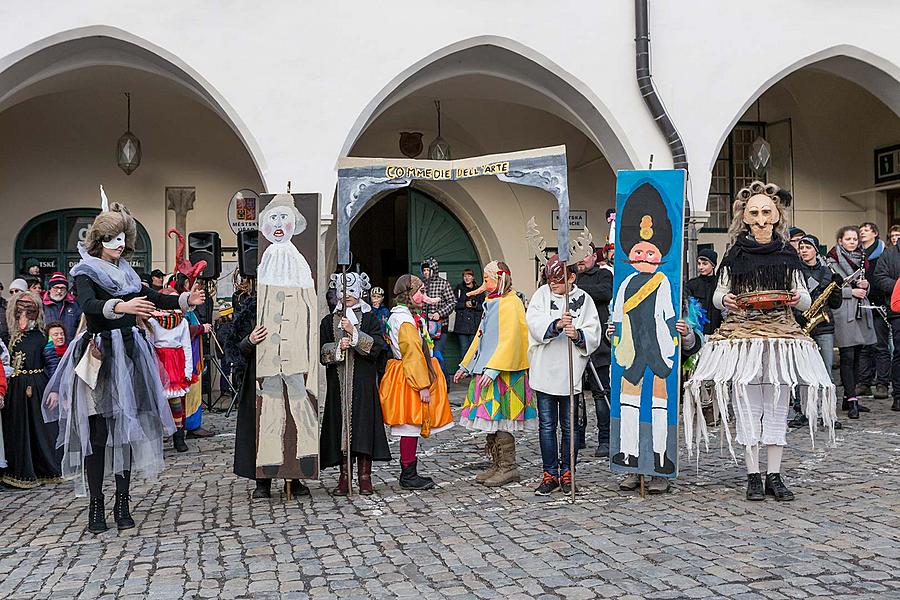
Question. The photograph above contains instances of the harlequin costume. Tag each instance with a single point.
(499, 399)
(760, 356)
(31, 455)
(368, 441)
(646, 339)
(186, 274)
(107, 394)
(410, 374)
(171, 338)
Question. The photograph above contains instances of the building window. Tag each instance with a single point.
(731, 172)
(52, 239)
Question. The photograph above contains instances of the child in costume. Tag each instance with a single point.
(168, 332)
(760, 355)
(550, 330)
(184, 280)
(413, 390)
(106, 394)
(355, 338)
(499, 399)
(643, 314)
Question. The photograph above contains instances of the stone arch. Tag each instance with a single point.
(564, 95)
(875, 74)
(25, 72)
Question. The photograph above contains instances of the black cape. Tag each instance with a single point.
(238, 345)
(367, 435)
(31, 454)
(703, 287)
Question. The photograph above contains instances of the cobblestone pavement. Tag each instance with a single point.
(199, 536)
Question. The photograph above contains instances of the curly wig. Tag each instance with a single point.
(758, 188)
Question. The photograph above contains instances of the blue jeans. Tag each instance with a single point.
(553, 411)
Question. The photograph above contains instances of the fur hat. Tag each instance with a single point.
(107, 225)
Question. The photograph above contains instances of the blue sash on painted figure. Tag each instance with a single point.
(646, 374)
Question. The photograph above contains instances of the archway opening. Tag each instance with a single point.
(827, 125)
(400, 230)
(483, 114)
(64, 107)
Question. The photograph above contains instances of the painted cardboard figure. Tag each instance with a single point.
(646, 341)
(287, 361)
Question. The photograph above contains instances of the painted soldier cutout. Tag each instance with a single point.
(645, 343)
(287, 361)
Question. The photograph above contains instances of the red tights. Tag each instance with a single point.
(408, 450)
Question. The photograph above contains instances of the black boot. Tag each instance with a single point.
(625, 461)
(755, 490)
(122, 512)
(775, 487)
(263, 489)
(96, 516)
(410, 479)
(852, 409)
(178, 440)
(298, 489)
(896, 405)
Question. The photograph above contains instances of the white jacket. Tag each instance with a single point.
(549, 357)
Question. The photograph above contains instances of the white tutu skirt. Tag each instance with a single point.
(727, 368)
(128, 394)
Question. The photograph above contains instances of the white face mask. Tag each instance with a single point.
(116, 242)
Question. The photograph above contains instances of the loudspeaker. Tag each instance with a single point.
(248, 242)
(206, 245)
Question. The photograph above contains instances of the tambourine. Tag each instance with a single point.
(763, 300)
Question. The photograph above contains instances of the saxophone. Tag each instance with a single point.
(815, 315)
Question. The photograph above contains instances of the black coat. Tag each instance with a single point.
(367, 434)
(243, 353)
(467, 319)
(598, 284)
(702, 288)
(886, 274)
(817, 278)
(92, 298)
(31, 451)
(876, 296)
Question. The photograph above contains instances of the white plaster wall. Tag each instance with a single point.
(299, 76)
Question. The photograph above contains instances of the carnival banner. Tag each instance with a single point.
(287, 362)
(646, 369)
(361, 179)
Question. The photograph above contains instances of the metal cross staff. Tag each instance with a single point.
(345, 397)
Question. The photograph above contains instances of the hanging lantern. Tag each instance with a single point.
(760, 149)
(128, 148)
(760, 155)
(439, 148)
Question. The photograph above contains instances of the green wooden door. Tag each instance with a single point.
(434, 231)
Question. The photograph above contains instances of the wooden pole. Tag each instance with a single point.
(346, 408)
(571, 393)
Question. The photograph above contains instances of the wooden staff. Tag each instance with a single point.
(571, 391)
(345, 398)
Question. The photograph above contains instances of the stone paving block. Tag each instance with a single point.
(200, 536)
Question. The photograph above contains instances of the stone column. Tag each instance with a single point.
(180, 200)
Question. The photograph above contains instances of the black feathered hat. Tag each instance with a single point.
(645, 219)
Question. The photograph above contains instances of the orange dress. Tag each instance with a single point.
(405, 375)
